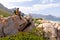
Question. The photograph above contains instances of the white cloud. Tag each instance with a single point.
(44, 6)
(1, 1)
(34, 8)
(46, 1)
(6, 3)
(51, 0)
(37, 7)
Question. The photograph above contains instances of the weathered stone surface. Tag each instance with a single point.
(13, 24)
(30, 27)
(51, 29)
(9, 26)
(1, 32)
(22, 24)
(28, 18)
(36, 24)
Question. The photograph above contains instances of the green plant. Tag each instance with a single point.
(23, 36)
(36, 20)
(4, 13)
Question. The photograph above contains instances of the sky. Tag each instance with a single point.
(45, 7)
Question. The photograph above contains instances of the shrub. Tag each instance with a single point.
(4, 13)
(36, 20)
(23, 36)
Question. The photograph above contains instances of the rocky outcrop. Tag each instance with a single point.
(51, 30)
(30, 28)
(13, 24)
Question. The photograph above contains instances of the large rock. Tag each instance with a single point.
(1, 32)
(9, 27)
(13, 24)
(30, 27)
(49, 30)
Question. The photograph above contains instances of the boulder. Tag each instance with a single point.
(13, 24)
(49, 30)
(30, 27)
(9, 27)
(1, 32)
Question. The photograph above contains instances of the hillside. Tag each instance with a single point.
(46, 17)
(4, 8)
(4, 11)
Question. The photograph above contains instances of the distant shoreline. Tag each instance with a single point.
(54, 21)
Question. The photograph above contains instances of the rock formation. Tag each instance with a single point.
(51, 30)
(13, 24)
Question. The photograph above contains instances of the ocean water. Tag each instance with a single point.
(57, 21)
